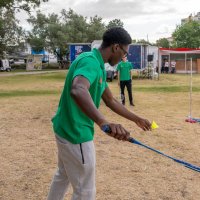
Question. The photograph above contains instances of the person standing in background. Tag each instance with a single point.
(166, 66)
(124, 79)
(173, 66)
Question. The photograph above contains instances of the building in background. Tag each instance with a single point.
(185, 58)
(191, 18)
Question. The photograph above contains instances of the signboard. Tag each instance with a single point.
(137, 56)
(77, 49)
(34, 62)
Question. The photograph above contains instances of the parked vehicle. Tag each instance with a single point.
(111, 72)
(4, 65)
(11, 61)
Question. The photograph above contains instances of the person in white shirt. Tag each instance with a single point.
(166, 66)
(173, 66)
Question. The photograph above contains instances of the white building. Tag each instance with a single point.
(191, 18)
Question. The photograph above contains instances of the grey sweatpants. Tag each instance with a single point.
(76, 166)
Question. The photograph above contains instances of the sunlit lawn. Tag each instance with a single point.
(124, 171)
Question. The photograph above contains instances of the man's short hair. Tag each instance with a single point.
(116, 35)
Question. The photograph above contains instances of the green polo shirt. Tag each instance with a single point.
(70, 122)
(124, 70)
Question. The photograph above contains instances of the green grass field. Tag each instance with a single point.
(124, 171)
(19, 85)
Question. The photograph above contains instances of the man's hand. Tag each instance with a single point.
(143, 124)
(118, 132)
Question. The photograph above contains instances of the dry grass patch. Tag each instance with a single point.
(124, 171)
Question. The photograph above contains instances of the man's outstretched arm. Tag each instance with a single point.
(81, 95)
(118, 108)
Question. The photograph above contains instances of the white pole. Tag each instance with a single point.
(190, 116)
(158, 63)
(185, 62)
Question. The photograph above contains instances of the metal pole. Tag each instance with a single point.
(158, 63)
(148, 63)
(185, 62)
(169, 62)
(190, 116)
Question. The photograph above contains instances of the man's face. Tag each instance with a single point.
(124, 59)
(118, 53)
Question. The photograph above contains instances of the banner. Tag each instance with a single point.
(34, 62)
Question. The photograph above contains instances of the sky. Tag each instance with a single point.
(143, 19)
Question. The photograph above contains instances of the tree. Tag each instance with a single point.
(14, 5)
(96, 29)
(48, 33)
(37, 37)
(37, 44)
(10, 32)
(75, 26)
(57, 38)
(142, 41)
(134, 41)
(114, 23)
(162, 42)
(187, 35)
(56, 31)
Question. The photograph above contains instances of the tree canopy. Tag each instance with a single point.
(11, 34)
(163, 42)
(56, 31)
(20, 4)
(114, 23)
(187, 35)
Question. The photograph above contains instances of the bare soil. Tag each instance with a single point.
(124, 171)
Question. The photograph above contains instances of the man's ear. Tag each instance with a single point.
(114, 47)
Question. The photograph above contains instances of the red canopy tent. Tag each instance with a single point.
(183, 65)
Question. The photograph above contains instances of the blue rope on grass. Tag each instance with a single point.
(107, 129)
(186, 164)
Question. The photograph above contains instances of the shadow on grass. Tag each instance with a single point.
(55, 76)
(23, 93)
(166, 89)
(33, 78)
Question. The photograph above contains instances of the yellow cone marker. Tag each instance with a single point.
(154, 125)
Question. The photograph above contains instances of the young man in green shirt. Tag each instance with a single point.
(73, 123)
(124, 79)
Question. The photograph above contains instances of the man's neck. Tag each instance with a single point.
(104, 53)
